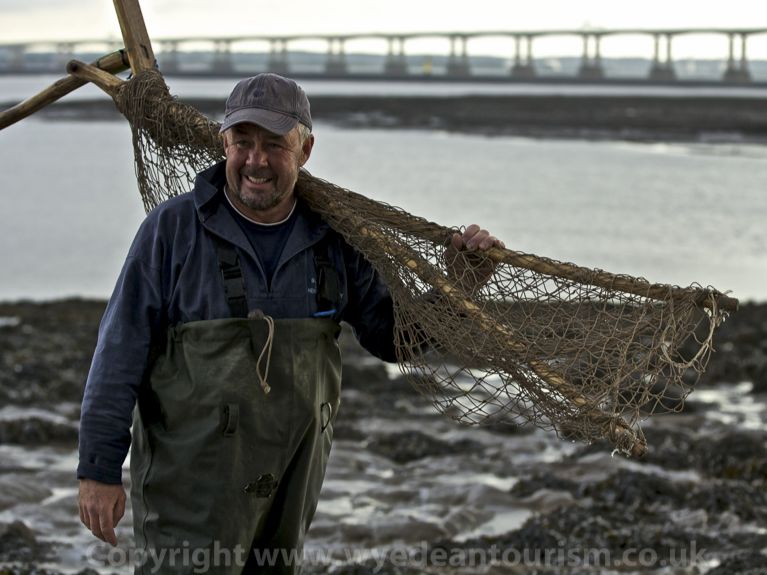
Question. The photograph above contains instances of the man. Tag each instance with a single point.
(222, 330)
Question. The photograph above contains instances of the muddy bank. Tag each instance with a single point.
(408, 489)
(557, 116)
(47, 347)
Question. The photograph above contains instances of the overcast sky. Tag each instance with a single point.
(22, 20)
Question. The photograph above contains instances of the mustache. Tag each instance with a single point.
(257, 173)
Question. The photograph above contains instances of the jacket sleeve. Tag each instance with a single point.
(370, 311)
(120, 361)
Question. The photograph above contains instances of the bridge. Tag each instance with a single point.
(229, 58)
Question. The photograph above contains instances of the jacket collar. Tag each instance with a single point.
(208, 197)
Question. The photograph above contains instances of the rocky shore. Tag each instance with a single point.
(403, 478)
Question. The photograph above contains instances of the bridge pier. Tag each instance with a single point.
(278, 57)
(396, 63)
(222, 57)
(523, 67)
(169, 61)
(65, 51)
(737, 72)
(335, 64)
(591, 67)
(17, 58)
(458, 63)
(662, 71)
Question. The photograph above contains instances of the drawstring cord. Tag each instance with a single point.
(267, 350)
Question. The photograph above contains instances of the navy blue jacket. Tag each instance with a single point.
(171, 276)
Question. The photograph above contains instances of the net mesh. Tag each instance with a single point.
(500, 336)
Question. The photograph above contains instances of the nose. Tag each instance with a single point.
(256, 156)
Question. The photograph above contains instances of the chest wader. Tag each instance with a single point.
(225, 468)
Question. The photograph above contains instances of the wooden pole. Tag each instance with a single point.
(706, 298)
(114, 63)
(703, 297)
(87, 73)
(136, 38)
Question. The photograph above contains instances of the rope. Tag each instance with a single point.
(266, 350)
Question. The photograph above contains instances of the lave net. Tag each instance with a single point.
(580, 351)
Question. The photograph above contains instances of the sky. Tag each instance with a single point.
(25, 20)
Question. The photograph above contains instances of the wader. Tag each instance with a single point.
(224, 465)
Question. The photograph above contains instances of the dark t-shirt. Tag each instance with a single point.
(267, 240)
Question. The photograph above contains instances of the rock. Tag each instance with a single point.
(734, 454)
(632, 488)
(368, 377)
(748, 563)
(344, 429)
(18, 489)
(740, 347)
(18, 543)
(368, 567)
(527, 486)
(610, 528)
(46, 355)
(27, 569)
(743, 499)
(37, 431)
(509, 428)
(412, 445)
(759, 378)
(718, 452)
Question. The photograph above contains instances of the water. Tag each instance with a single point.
(17, 88)
(675, 213)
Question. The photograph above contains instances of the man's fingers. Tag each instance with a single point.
(108, 531)
(471, 230)
(477, 240)
(84, 519)
(101, 507)
(119, 511)
(107, 527)
(94, 524)
(489, 242)
(469, 237)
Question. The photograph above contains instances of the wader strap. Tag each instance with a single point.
(234, 285)
(328, 284)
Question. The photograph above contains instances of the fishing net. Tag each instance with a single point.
(494, 337)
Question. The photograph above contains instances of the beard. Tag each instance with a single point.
(258, 202)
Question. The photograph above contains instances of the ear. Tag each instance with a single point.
(306, 149)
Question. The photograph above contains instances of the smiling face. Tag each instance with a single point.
(262, 169)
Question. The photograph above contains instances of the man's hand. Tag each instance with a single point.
(101, 507)
(469, 269)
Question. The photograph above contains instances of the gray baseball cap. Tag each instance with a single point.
(273, 102)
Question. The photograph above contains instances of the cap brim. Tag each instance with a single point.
(273, 121)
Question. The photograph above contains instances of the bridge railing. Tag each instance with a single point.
(277, 55)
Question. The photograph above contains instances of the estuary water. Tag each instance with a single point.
(671, 212)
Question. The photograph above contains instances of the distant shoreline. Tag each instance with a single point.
(633, 118)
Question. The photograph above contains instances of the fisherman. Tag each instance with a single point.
(222, 334)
